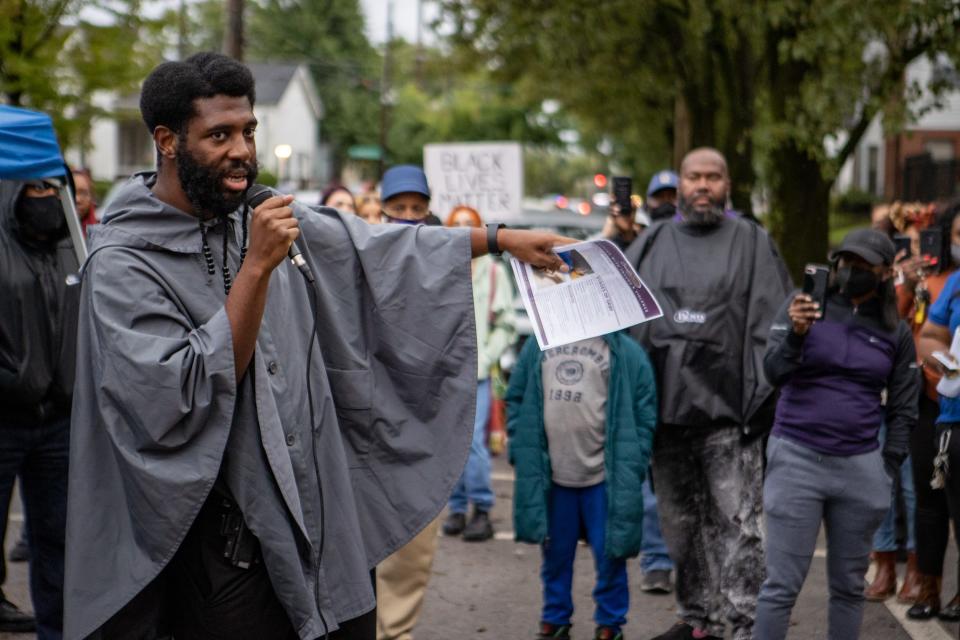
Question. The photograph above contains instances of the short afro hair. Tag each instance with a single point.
(167, 96)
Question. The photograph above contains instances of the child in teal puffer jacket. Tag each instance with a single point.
(581, 419)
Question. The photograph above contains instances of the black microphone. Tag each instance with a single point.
(257, 194)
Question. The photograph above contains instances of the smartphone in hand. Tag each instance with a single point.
(816, 278)
(902, 244)
(622, 191)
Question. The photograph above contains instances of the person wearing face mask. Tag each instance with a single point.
(720, 281)
(405, 196)
(661, 203)
(402, 578)
(38, 318)
(825, 462)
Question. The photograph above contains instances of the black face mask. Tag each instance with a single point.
(664, 210)
(856, 282)
(41, 218)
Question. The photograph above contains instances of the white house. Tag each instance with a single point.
(921, 161)
(288, 108)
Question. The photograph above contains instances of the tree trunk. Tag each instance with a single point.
(801, 202)
(681, 130)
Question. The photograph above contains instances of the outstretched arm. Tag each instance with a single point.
(533, 247)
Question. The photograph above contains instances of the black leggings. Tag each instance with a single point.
(934, 506)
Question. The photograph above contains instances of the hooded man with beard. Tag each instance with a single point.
(38, 319)
(248, 444)
(720, 282)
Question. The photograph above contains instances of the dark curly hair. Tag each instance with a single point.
(167, 96)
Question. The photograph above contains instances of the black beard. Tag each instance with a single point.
(203, 185)
(700, 217)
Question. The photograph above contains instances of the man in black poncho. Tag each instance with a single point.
(38, 325)
(245, 446)
(720, 282)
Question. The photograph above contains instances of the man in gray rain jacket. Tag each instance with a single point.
(243, 451)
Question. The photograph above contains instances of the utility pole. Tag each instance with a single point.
(385, 92)
(418, 70)
(233, 36)
(182, 30)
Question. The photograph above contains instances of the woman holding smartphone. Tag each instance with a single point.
(825, 464)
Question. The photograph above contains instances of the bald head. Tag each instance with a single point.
(704, 186)
(702, 155)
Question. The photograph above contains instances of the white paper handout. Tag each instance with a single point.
(600, 294)
(949, 387)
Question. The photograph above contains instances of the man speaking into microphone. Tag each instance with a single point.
(246, 446)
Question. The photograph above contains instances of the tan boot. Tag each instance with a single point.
(910, 590)
(928, 601)
(884, 583)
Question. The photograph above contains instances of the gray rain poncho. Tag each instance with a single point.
(158, 414)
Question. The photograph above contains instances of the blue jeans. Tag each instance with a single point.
(39, 454)
(885, 539)
(653, 550)
(570, 511)
(474, 484)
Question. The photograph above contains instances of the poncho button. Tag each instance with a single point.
(272, 367)
(291, 439)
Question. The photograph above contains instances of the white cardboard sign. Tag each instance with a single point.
(487, 176)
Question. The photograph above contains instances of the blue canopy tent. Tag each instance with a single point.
(29, 151)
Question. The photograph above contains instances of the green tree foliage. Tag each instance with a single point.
(328, 36)
(768, 82)
(430, 97)
(434, 101)
(831, 66)
(53, 60)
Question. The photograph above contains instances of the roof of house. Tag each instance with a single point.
(272, 80)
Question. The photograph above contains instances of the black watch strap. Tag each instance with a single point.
(492, 247)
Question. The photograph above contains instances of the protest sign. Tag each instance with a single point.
(487, 176)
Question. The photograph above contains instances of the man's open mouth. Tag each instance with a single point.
(236, 181)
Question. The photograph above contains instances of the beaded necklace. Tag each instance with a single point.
(208, 255)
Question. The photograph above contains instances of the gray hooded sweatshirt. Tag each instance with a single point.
(158, 415)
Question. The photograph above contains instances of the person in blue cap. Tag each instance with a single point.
(406, 195)
(662, 195)
(402, 578)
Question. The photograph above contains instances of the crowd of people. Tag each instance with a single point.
(257, 452)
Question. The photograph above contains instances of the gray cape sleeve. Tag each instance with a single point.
(402, 363)
(151, 386)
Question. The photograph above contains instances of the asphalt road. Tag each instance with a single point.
(491, 590)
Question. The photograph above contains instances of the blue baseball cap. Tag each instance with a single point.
(662, 180)
(404, 178)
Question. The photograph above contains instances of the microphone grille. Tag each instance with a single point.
(257, 194)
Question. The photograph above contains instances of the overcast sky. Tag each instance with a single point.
(404, 19)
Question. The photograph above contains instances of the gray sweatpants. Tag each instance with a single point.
(708, 484)
(803, 488)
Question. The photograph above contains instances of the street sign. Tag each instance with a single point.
(487, 176)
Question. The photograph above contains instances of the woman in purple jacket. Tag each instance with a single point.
(824, 460)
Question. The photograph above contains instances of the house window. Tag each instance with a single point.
(939, 150)
(135, 149)
(873, 162)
